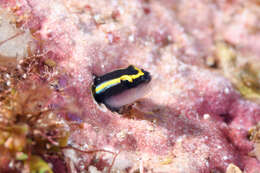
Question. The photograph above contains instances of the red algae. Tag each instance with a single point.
(195, 119)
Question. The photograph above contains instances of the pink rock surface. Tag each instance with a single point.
(192, 121)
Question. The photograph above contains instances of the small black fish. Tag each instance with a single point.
(121, 87)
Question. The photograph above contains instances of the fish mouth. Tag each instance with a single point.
(147, 76)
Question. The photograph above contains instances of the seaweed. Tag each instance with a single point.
(30, 132)
(245, 76)
(254, 136)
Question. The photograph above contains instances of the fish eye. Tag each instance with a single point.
(97, 79)
(142, 77)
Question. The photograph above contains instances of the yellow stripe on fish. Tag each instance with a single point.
(117, 80)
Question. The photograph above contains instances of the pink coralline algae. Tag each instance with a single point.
(194, 118)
